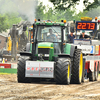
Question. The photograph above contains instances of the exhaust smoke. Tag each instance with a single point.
(25, 8)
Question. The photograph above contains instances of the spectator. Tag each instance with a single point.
(83, 36)
(71, 37)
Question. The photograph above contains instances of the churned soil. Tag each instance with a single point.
(10, 89)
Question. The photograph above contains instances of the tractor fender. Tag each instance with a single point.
(73, 47)
(26, 52)
(70, 54)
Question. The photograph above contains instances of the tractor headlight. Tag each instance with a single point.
(46, 55)
(39, 54)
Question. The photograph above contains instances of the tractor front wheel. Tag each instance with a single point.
(21, 70)
(63, 71)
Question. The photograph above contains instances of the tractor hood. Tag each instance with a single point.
(45, 45)
(45, 51)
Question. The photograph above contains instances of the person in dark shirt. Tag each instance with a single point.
(71, 37)
(83, 36)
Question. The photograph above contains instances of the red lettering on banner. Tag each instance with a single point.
(32, 68)
(28, 68)
(36, 69)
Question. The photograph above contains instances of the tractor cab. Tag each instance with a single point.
(49, 35)
(48, 39)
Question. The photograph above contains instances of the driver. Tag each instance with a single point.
(83, 36)
(52, 37)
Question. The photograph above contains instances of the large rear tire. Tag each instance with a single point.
(77, 68)
(63, 71)
(21, 70)
(96, 73)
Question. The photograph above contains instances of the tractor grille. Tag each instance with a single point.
(46, 58)
(43, 51)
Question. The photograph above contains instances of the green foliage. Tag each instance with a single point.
(7, 20)
(47, 13)
(93, 12)
(66, 4)
(8, 16)
(3, 24)
(12, 18)
(40, 11)
(78, 16)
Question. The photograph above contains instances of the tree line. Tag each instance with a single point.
(7, 19)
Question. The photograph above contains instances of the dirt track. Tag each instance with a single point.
(11, 90)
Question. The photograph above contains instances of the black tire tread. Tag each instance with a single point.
(96, 73)
(75, 67)
(61, 71)
(21, 70)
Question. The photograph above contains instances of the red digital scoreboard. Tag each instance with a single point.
(86, 25)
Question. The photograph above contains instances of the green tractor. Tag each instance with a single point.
(50, 56)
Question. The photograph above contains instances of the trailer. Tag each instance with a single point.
(90, 48)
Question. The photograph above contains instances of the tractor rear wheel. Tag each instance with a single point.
(63, 71)
(77, 68)
(96, 73)
(83, 76)
(21, 70)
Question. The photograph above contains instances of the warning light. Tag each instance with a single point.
(64, 43)
(64, 21)
(98, 21)
(86, 19)
(96, 18)
(35, 20)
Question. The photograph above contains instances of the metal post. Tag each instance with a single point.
(14, 48)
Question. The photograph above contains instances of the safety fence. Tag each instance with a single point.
(8, 68)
